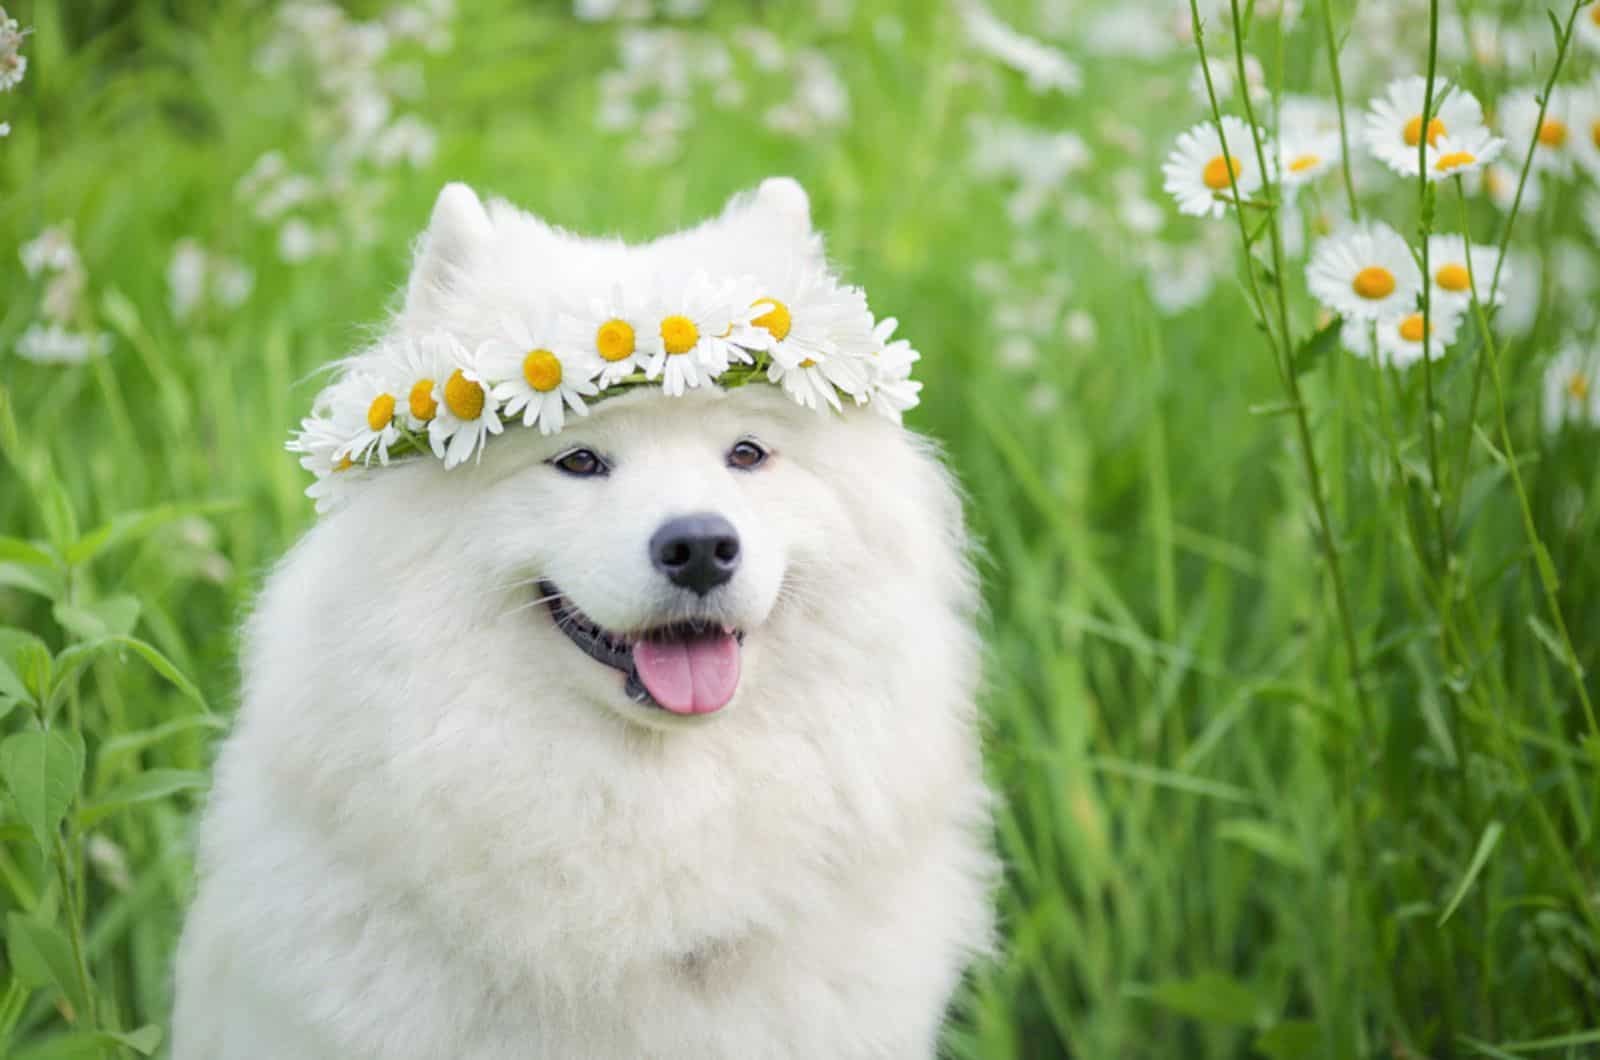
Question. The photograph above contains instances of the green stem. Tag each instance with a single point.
(75, 935)
(1548, 582)
(1563, 45)
(1313, 471)
(1338, 99)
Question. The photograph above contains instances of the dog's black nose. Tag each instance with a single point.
(698, 552)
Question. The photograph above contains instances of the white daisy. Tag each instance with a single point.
(1359, 337)
(1196, 172)
(319, 442)
(1394, 121)
(613, 327)
(1456, 156)
(1448, 261)
(363, 408)
(1365, 271)
(1585, 115)
(820, 331)
(414, 369)
(690, 344)
(1588, 26)
(1499, 182)
(1304, 154)
(1572, 388)
(893, 390)
(466, 412)
(1400, 337)
(540, 375)
(1519, 120)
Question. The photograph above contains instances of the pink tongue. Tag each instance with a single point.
(693, 676)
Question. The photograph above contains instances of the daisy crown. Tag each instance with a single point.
(508, 321)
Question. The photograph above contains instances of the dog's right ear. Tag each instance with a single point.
(457, 229)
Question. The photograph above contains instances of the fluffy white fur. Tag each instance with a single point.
(441, 831)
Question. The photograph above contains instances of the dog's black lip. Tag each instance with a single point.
(612, 649)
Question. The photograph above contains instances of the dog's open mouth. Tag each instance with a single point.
(683, 668)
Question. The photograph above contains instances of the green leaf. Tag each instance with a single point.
(130, 743)
(115, 616)
(128, 527)
(28, 553)
(146, 787)
(59, 518)
(42, 769)
(12, 686)
(26, 658)
(1315, 346)
(1486, 844)
(1264, 840)
(1210, 996)
(1289, 1040)
(75, 658)
(41, 956)
(83, 1045)
(49, 584)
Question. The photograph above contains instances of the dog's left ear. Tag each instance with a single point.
(457, 229)
(777, 213)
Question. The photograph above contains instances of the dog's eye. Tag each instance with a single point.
(581, 462)
(746, 455)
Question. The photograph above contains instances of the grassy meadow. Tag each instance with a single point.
(1250, 808)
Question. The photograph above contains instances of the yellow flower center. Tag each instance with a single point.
(1413, 131)
(1411, 328)
(463, 397)
(542, 371)
(345, 463)
(1304, 162)
(776, 320)
(1216, 173)
(808, 363)
(1594, 14)
(1578, 386)
(380, 412)
(614, 340)
(678, 334)
(1453, 277)
(1594, 130)
(1455, 160)
(423, 407)
(1374, 282)
(1553, 133)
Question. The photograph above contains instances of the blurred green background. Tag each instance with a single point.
(1210, 851)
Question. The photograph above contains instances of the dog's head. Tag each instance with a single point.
(636, 558)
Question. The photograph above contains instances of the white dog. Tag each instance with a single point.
(652, 737)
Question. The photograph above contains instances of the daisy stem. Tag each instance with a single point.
(1286, 369)
(1425, 205)
(1563, 46)
(1257, 302)
(1549, 581)
(1338, 98)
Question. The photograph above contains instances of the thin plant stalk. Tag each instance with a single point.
(1563, 46)
(1338, 99)
(1548, 581)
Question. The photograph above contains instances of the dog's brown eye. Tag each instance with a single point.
(581, 462)
(746, 455)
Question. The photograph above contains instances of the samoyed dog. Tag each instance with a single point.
(653, 736)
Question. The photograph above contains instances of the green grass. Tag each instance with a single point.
(1211, 849)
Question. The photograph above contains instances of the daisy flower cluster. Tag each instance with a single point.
(811, 336)
(1366, 274)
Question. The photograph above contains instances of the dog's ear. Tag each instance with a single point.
(775, 214)
(784, 198)
(457, 229)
